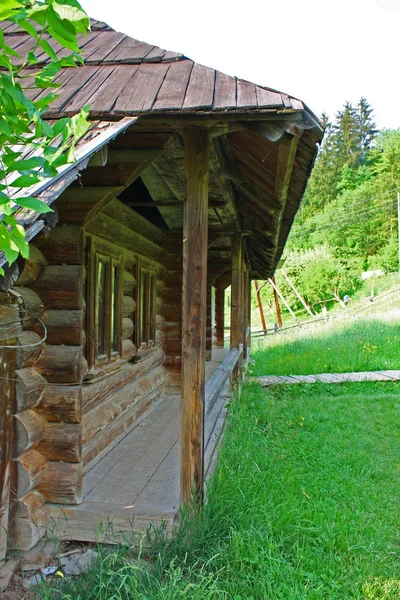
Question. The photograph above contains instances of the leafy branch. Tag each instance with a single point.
(31, 149)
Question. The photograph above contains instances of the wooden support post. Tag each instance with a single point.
(194, 298)
(277, 307)
(236, 292)
(247, 290)
(220, 314)
(260, 306)
(276, 289)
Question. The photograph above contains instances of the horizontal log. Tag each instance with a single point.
(129, 283)
(104, 413)
(160, 337)
(95, 391)
(61, 483)
(160, 285)
(78, 205)
(112, 230)
(61, 403)
(27, 505)
(63, 245)
(159, 303)
(30, 468)
(64, 327)
(62, 364)
(32, 267)
(62, 441)
(25, 533)
(28, 353)
(10, 323)
(127, 328)
(172, 312)
(61, 286)
(159, 322)
(132, 219)
(29, 388)
(128, 306)
(32, 303)
(128, 350)
(173, 346)
(134, 412)
(29, 430)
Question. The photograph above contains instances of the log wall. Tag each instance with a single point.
(169, 321)
(66, 415)
(47, 412)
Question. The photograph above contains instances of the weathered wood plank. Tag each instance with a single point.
(200, 91)
(194, 312)
(98, 521)
(172, 92)
(145, 86)
(225, 91)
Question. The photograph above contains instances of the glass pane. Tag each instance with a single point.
(113, 328)
(101, 309)
(144, 306)
(151, 308)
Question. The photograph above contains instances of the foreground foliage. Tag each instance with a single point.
(303, 505)
(22, 124)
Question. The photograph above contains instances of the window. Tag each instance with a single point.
(103, 315)
(145, 325)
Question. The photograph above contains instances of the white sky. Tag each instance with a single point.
(322, 51)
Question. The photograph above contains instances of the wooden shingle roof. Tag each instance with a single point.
(264, 142)
(123, 76)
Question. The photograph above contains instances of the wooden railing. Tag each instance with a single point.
(218, 379)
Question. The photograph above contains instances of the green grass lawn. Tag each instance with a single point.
(304, 504)
(335, 347)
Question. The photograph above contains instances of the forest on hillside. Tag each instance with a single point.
(347, 222)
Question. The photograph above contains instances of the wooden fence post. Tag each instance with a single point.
(194, 299)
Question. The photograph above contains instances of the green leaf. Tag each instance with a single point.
(33, 204)
(29, 163)
(8, 8)
(26, 181)
(44, 44)
(28, 27)
(70, 13)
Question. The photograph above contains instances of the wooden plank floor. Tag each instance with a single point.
(330, 378)
(137, 482)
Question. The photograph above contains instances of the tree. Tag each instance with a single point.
(22, 122)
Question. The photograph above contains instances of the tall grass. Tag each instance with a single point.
(303, 505)
(367, 344)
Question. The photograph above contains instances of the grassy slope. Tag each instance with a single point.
(337, 347)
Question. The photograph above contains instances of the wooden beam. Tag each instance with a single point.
(194, 291)
(79, 205)
(284, 169)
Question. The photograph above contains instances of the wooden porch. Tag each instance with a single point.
(137, 483)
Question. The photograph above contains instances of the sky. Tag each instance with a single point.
(325, 52)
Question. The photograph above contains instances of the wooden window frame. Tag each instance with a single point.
(145, 275)
(100, 252)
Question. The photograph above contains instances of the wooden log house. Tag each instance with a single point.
(187, 182)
